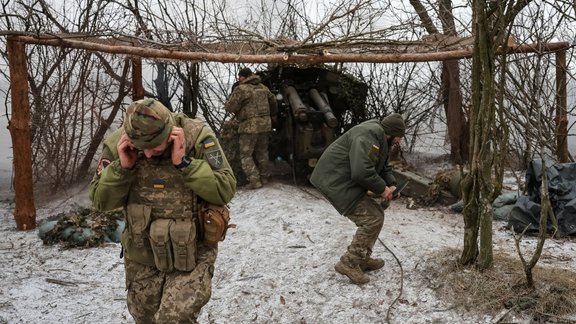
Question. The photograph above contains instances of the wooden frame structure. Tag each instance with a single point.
(264, 52)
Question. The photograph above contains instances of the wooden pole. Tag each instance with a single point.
(561, 108)
(137, 88)
(323, 57)
(19, 127)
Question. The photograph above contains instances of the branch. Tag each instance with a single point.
(424, 17)
(332, 18)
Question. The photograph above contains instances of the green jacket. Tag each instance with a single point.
(209, 175)
(357, 162)
(253, 105)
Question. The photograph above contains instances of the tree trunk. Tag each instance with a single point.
(451, 92)
(561, 109)
(470, 212)
(195, 88)
(191, 84)
(19, 126)
(457, 124)
(478, 189)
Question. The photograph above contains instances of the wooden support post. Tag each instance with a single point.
(137, 88)
(19, 127)
(561, 108)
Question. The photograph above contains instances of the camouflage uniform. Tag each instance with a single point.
(230, 145)
(168, 270)
(357, 162)
(369, 219)
(254, 106)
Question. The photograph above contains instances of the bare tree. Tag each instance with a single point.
(531, 87)
(491, 29)
(66, 83)
(451, 90)
(71, 91)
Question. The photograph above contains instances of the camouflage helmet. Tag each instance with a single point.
(148, 123)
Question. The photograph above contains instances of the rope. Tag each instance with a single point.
(401, 280)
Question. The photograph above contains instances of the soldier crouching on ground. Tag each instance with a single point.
(160, 167)
(357, 162)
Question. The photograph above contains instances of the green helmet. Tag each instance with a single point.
(148, 123)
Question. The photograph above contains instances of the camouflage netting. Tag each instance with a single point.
(82, 227)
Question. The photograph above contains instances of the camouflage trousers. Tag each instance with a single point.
(169, 297)
(254, 146)
(369, 218)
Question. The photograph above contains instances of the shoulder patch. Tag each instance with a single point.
(374, 152)
(208, 143)
(214, 156)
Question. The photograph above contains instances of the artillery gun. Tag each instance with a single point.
(315, 106)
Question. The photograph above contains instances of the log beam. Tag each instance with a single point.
(324, 56)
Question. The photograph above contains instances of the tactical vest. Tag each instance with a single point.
(258, 104)
(254, 116)
(160, 218)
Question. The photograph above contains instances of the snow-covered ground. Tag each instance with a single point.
(275, 267)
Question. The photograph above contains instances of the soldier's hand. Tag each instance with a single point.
(178, 144)
(388, 192)
(126, 152)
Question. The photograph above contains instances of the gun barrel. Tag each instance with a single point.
(324, 107)
(298, 107)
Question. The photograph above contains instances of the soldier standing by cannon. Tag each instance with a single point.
(254, 106)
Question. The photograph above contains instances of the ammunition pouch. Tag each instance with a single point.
(183, 237)
(135, 239)
(166, 243)
(214, 223)
(161, 245)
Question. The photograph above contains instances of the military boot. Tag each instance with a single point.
(254, 185)
(264, 180)
(372, 264)
(351, 269)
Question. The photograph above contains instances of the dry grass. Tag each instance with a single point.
(503, 287)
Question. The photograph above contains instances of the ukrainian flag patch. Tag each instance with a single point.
(209, 143)
(158, 184)
(374, 152)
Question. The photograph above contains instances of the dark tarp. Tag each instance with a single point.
(562, 191)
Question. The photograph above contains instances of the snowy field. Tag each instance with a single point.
(275, 267)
